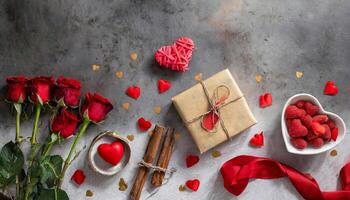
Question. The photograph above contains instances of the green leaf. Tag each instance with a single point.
(11, 163)
(52, 194)
(34, 150)
(18, 107)
(51, 169)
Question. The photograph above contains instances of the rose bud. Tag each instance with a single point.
(96, 107)
(67, 90)
(40, 89)
(16, 89)
(64, 123)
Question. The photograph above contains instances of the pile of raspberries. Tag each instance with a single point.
(307, 127)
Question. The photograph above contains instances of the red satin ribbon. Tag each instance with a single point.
(237, 172)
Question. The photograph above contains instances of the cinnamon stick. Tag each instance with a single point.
(164, 157)
(150, 154)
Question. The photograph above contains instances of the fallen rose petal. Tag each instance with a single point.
(78, 177)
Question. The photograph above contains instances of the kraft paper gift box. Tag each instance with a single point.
(232, 111)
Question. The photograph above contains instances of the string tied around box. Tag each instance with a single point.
(211, 119)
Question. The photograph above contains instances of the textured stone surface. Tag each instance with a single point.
(273, 38)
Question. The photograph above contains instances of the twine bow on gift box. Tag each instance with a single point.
(212, 118)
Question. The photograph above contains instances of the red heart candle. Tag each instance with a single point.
(111, 153)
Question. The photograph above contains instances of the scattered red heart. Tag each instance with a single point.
(191, 160)
(133, 92)
(143, 124)
(330, 88)
(265, 100)
(258, 139)
(193, 184)
(111, 153)
(163, 85)
(78, 176)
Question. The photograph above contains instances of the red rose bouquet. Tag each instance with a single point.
(44, 172)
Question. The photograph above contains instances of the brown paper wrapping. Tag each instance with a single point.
(193, 102)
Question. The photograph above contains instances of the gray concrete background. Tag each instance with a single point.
(274, 38)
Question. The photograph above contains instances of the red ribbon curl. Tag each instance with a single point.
(237, 172)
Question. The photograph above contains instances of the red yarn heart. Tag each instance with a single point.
(111, 153)
(191, 160)
(177, 56)
(330, 88)
(133, 92)
(257, 139)
(193, 184)
(143, 124)
(163, 85)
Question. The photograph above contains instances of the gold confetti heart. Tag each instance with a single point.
(177, 136)
(95, 67)
(258, 78)
(130, 137)
(215, 154)
(119, 74)
(122, 185)
(133, 56)
(198, 77)
(157, 109)
(182, 188)
(89, 193)
(299, 74)
(334, 153)
(126, 105)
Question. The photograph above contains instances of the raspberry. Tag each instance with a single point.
(307, 121)
(317, 143)
(327, 135)
(320, 119)
(296, 129)
(300, 104)
(311, 109)
(310, 136)
(318, 129)
(331, 124)
(293, 112)
(298, 143)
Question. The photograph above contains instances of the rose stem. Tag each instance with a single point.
(48, 148)
(18, 140)
(18, 122)
(36, 122)
(82, 130)
(33, 142)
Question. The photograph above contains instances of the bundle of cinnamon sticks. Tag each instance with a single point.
(149, 157)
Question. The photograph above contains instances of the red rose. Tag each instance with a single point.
(69, 90)
(40, 89)
(64, 123)
(16, 89)
(96, 107)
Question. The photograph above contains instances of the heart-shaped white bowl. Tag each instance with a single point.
(310, 150)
